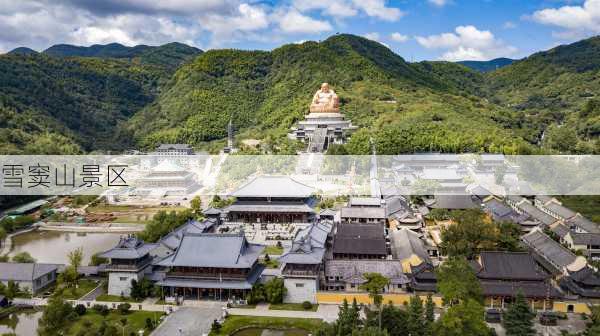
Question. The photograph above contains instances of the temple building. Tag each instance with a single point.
(129, 260)
(360, 241)
(212, 266)
(272, 199)
(324, 125)
(303, 264)
(166, 179)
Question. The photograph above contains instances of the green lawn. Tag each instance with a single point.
(235, 322)
(136, 320)
(84, 287)
(115, 298)
(292, 306)
(273, 250)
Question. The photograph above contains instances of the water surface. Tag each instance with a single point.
(23, 323)
(53, 246)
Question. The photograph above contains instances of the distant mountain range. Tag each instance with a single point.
(486, 66)
(70, 99)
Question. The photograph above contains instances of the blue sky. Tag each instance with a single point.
(415, 29)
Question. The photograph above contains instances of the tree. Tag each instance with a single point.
(465, 318)
(348, 318)
(69, 277)
(416, 320)
(75, 258)
(196, 205)
(374, 285)
(456, 281)
(471, 233)
(12, 289)
(141, 289)
(394, 320)
(124, 308)
(23, 257)
(96, 260)
(275, 290)
(518, 319)
(508, 238)
(55, 316)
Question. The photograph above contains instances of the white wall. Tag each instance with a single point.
(300, 290)
(119, 283)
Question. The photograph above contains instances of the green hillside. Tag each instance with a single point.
(556, 94)
(113, 97)
(404, 107)
(486, 66)
(170, 55)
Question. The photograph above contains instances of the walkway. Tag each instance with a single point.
(187, 321)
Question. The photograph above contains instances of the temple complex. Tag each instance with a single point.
(324, 124)
(272, 199)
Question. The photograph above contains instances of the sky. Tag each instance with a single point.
(417, 30)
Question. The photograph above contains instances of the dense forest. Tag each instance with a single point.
(71, 99)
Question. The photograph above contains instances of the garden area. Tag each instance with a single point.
(83, 287)
(237, 325)
(304, 306)
(60, 317)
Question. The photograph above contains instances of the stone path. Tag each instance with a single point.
(188, 321)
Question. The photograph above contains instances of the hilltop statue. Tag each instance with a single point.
(325, 100)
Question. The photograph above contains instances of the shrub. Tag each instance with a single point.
(149, 324)
(306, 305)
(101, 309)
(124, 308)
(80, 309)
(215, 327)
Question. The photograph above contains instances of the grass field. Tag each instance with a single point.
(273, 250)
(84, 287)
(235, 322)
(292, 306)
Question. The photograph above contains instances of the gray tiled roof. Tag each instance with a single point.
(308, 246)
(560, 210)
(352, 271)
(548, 249)
(502, 265)
(129, 248)
(214, 250)
(405, 243)
(584, 224)
(273, 186)
(378, 213)
(560, 230)
(530, 289)
(585, 238)
(269, 207)
(172, 239)
(173, 146)
(536, 213)
(453, 202)
(25, 271)
(364, 201)
(360, 239)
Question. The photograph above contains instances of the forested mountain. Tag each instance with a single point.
(116, 97)
(556, 93)
(404, 107)
(67, 104)
(171, 55)
(22, 51)
(486, 66)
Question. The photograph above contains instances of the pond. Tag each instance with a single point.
(271, 332)
(24, 322)
(53, 246)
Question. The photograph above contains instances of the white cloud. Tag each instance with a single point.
(576, 21)
(334, 8)
(509, 25)
(349, 8)
(378, 9)
(293, 22)
(467, 42)
(438, 3)
(399, 37)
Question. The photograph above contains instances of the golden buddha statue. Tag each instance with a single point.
(325, 101)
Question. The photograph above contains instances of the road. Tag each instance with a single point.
(188, 321)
